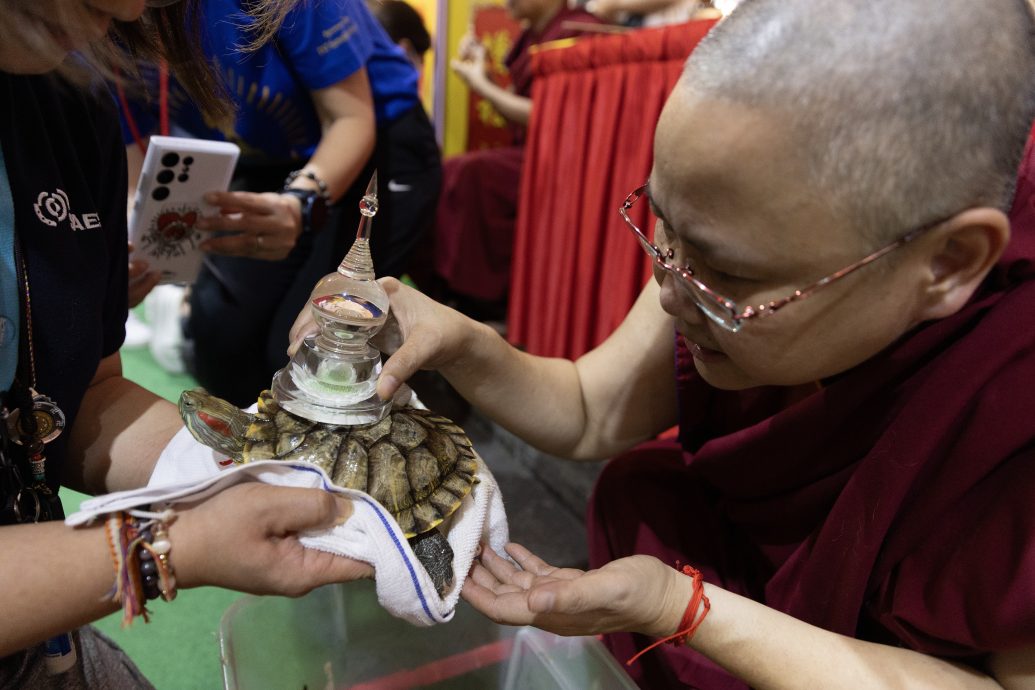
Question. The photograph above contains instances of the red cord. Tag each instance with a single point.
(163, 106)
(163, 98)
(131, 121)
(690, 621)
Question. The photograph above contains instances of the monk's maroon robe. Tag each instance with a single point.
(896, 505)
(474, 225)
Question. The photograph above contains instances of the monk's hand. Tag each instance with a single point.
(304, 326)
(420, 334)
(258, 226)
(635, 594)
(389, 338)
(246, 538)
(472, 66)
(468, 44)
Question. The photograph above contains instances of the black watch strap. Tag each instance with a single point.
(314, 208)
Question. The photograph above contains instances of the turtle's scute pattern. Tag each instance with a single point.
(415, 463)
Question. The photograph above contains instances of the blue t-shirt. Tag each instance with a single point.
(320, 43)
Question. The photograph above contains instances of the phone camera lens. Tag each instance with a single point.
(188, 160)
(170, 159)
(165, 176)
(184, 177)
(160, 193)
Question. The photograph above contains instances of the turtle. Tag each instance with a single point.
(417, 464)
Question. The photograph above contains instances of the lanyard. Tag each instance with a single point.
(30, 421)
(163, 106)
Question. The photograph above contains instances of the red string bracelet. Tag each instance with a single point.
(691, 621)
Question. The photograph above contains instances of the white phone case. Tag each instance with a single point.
(177, 172)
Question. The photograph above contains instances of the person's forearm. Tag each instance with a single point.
(117, 438)
(492, 375)
(349, 133)
(770, 650)
(628, 381)
(54, 580)
(344, 149)
(620, 393)
(514, 108)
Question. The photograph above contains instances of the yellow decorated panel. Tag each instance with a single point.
(456, 95)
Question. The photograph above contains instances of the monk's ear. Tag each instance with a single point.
(958, 255)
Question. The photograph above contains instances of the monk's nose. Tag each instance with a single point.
(676, 300)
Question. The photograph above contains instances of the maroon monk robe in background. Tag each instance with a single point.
(894, 505)
(474, 226)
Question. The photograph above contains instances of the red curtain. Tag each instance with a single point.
(577, 269)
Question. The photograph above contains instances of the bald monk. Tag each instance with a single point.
(474, 226)
(841, 322)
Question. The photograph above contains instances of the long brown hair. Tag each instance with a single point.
(174, 33)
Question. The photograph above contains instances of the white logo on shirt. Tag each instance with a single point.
(52, 208)
(394, 186)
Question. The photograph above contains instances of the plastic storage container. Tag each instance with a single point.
(339, 637)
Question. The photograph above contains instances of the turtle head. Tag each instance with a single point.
(214, 422)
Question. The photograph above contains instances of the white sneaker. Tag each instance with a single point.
(138, 333)
(163, 307)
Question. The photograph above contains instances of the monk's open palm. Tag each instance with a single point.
(630, 594)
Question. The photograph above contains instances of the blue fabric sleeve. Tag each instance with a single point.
(325, 41)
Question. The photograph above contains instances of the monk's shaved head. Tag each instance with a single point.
(904, 112)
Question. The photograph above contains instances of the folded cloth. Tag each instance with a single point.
(188, 471)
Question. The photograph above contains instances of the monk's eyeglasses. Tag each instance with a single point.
(724, 311)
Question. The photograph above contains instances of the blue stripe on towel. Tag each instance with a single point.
(388, 528)
(402, 552)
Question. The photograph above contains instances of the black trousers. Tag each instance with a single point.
(242, 309)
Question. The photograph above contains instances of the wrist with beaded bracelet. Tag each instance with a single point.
(140, 549)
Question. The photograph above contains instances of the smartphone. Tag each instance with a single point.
(177, 173)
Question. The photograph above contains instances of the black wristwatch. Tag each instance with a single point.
(314, 208)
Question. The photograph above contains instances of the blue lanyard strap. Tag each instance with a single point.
(10, 302)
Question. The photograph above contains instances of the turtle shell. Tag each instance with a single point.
(417, 464)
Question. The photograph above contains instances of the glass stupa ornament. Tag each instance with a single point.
(333, 375)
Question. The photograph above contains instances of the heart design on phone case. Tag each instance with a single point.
(175, 226)
(172, 233)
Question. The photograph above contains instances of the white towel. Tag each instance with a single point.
(188, 471)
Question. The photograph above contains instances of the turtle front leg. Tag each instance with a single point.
(436, 555)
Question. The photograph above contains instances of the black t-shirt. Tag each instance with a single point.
(67, 170)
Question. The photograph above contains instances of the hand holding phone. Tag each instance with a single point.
(176, 174)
